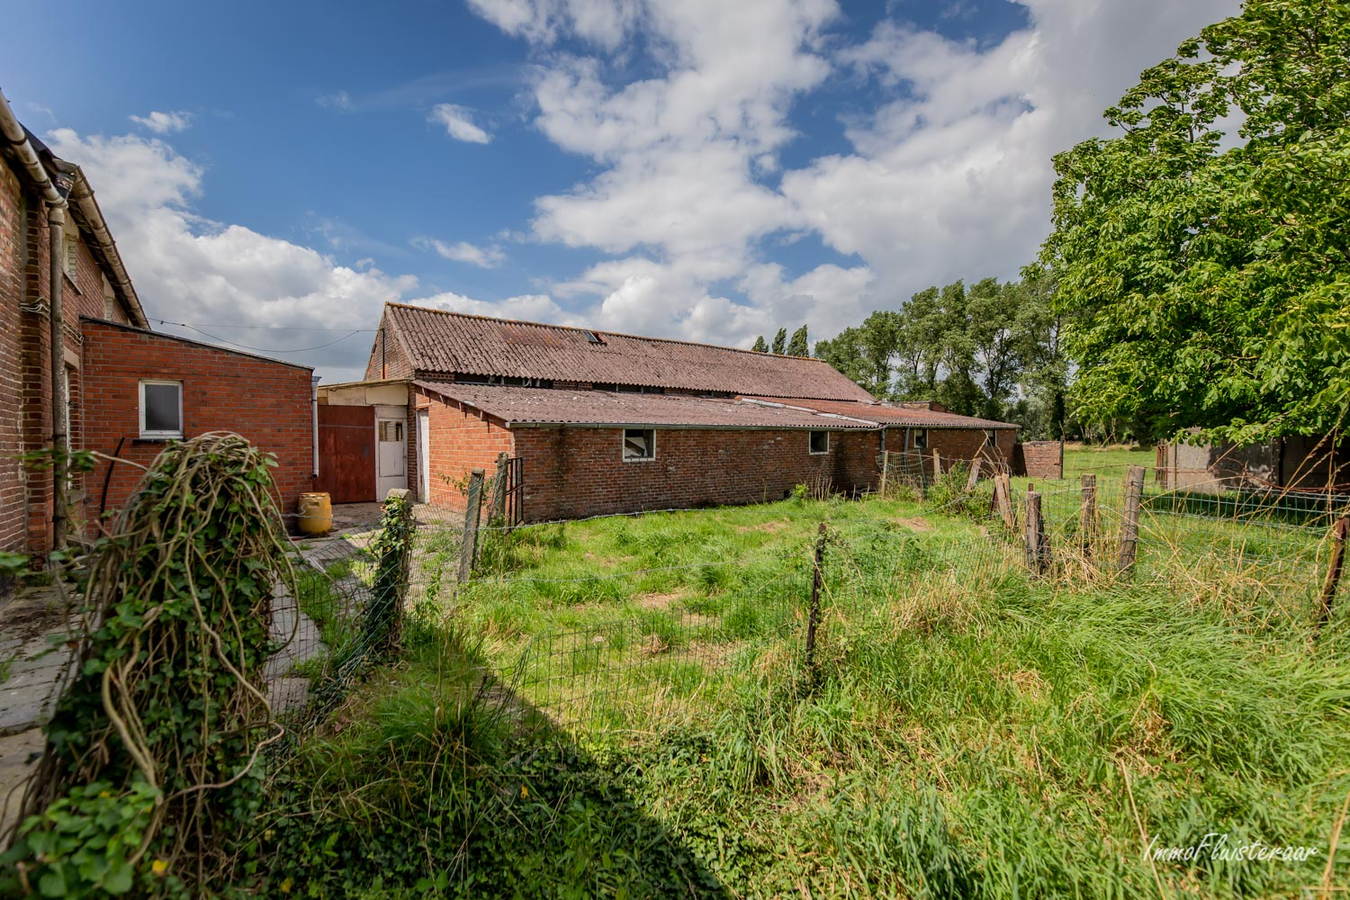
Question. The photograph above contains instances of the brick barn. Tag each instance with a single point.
(611, 423)
(116, 386)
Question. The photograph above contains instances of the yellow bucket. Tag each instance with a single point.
(316, 513)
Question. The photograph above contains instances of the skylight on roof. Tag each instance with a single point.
(594, 338)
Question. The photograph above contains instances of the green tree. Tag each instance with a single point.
(1206, 282)
(797, 345)
(760, 346)
(780, 341)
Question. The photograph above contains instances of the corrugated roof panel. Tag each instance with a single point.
(444, 343)
(543, 406)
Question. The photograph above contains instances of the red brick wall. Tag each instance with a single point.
(956, 443)
(265, 401)
(1038, 459)
(387, 361)
(459, 442)
(13, 505)
(576, 472)
(25, 385)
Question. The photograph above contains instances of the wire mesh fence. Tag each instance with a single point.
(609, 646)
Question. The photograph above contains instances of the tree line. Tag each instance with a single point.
(1197, 275)
(989, 350)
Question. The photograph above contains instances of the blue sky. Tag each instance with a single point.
(694, 169)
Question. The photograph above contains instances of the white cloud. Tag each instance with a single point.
(458, 123)
(164, 122)
(212, 275)
(947, 177)
(483, 257)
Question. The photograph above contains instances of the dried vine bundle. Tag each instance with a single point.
(151, 755)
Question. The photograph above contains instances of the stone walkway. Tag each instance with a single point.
(37, 640)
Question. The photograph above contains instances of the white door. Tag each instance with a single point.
(423, 456)
(391, 455)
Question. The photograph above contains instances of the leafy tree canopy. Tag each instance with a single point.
(797, 345)
(780, 341)
(760, 346)
(1205, 277)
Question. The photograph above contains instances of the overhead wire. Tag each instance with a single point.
(216, 337)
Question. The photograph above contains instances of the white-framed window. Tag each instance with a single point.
(819, 443)
(920, 438)
(639, 444)
(161, 409)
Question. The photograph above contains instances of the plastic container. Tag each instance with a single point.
(316, 513)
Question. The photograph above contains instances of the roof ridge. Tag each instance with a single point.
(599, 331)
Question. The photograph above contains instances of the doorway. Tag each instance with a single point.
(391, 450)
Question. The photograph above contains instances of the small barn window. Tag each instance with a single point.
(920, 438)
(820, 443)
(991, 437)
(161, 409)
(639, 444)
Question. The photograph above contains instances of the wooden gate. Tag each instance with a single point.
(347, 453)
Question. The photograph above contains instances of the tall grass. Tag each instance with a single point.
(970, 731)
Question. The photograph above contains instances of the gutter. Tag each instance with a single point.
(55, 199)
(82, 203)
(314, 420)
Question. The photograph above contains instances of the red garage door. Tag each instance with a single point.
(347, 453)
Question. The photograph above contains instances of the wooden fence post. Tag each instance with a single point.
(499, 490)
(1129, 533)
(1089, 521)
(974, 478)
(469, 545)
(1339, 532)
(885, 470)
(1003, 496)
(937, 466)
(814, 620)
(1037, 554)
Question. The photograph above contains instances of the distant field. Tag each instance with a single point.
(967, 730)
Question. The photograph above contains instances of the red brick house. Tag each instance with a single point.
(112, 385)
(608, 423)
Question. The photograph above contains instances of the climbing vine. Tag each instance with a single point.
(152, 752)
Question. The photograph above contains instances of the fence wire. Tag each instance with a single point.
(659, 636)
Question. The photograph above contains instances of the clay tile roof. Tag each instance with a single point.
(889, 414)
(544, 406)
(440, 343)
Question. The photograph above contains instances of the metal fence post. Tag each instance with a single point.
(469, 546)
(1129, 534)
(1339, 532)
(814, 619)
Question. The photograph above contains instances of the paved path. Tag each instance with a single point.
(37, 640)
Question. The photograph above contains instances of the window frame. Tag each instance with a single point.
(991, 437)
(623, 445)
(157, 435)
(914, 438)
(810, 438)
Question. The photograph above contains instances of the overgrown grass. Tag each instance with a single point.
(969, 731)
